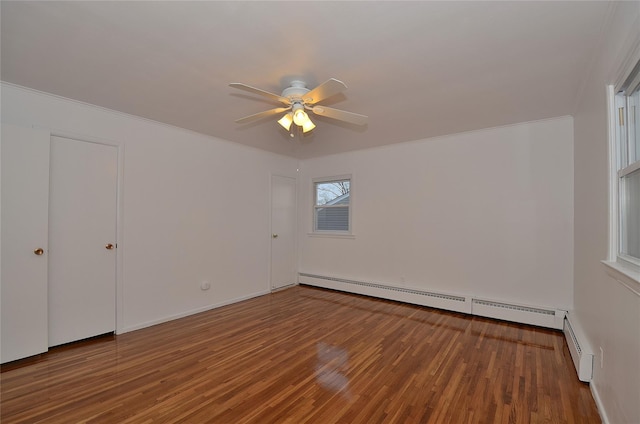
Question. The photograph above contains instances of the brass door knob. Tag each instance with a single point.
(109, 246)
(274, 235)
(39, 251)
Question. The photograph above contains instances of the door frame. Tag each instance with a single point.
(120, 146)
(296, 229)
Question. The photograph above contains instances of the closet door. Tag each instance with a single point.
(25, 195)
(82, 240)
(283, 232)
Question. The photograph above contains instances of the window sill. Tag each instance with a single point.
(332, 235)
(626, 275)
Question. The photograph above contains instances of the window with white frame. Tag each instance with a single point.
(627, 177)
(332, 205)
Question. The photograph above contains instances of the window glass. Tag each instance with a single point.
(630, 216)
(332, 201)
(328, 192)
(634, 126)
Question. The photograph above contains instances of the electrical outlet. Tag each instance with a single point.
(601, 357)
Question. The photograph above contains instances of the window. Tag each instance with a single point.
(626, 184)
(332, 205)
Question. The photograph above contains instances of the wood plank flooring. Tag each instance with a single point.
(305, 355)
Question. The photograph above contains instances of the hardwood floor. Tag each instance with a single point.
(306, 355)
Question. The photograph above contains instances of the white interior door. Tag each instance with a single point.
(283, 231)
(25, 196)
(82, 240)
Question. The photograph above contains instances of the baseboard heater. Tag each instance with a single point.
(543, 317)
(401, 294)
(581, 353)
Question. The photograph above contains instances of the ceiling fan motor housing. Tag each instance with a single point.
(296, 91)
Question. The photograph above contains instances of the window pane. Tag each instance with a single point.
(630, 215)
(332, 193)
(634, 127)
(332, 219)
(621, 129)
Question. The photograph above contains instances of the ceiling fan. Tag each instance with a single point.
(298, 99)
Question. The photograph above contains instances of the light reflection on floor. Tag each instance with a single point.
(333, 363)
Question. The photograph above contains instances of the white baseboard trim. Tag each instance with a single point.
(525, 314)
(191, 312)
(599, 405)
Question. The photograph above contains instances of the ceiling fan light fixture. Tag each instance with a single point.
(299, 115)
(286, 121)
(308, 126)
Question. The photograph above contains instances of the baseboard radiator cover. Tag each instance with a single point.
(401, 294)
(581, 352)
(543, 317)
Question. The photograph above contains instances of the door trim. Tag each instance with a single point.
(120, 146)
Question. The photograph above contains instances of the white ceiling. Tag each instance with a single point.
(417, 69)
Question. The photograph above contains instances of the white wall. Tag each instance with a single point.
(194, 207)
(608, 311)
(487, 213)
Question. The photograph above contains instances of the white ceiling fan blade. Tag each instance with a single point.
(261, 115)
(342, 115)
(327, 89)
(254, 90)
